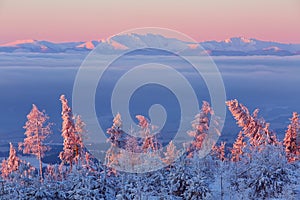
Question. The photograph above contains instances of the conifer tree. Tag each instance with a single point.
(171, 154)
(237, 148)
(115, 131)
(72, 129)
(200, 127)
(113, 154)
(37, 130)
(219, 151)
(292, 147)
(11, 164)
(150, 142)
(256, 129)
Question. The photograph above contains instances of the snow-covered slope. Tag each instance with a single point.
(236, 46)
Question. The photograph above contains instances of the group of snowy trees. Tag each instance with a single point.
(37, 129)
(256, 166)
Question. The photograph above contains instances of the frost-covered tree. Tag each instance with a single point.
(238, 148)
(11, 164)
(267, 175)
(256, 129)
(113, 153)
(72, 129)
(131, 154)
(115, 131)
(292, 146)
(187, 180)
(202, 123)
(171, 154)
(80, 131)
(150, 142)
(219, 151)
(36, 131)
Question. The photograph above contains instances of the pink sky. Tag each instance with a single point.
(70, 20)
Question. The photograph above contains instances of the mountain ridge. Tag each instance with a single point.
(234, 46)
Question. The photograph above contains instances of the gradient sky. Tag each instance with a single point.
(72, 20)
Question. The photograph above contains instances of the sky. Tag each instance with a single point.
(76, 20)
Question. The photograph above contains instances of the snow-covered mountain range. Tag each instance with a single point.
(236, 46)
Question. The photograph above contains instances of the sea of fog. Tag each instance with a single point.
(271, 84)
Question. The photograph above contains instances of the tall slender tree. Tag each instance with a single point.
(292, 147)
(37, 130)
(113, 153)
(72, 129)
(200, 127)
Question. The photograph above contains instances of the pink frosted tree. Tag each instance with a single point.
(150, 141)
(200, 127)
(256, 129)
(238, 148)
(292, 149)
(4, 169)
(72, 130)
(219, 151)
(36, 131)
(11, 164)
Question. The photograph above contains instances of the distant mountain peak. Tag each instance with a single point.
(88, 45)
(18, 42)
(234, 46)
(238, 39)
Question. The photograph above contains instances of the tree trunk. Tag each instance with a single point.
(39, 154)
(41, 167)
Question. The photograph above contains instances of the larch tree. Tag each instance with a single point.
(36, 131)
(72, 129)
(292, 146)
(11, 164)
